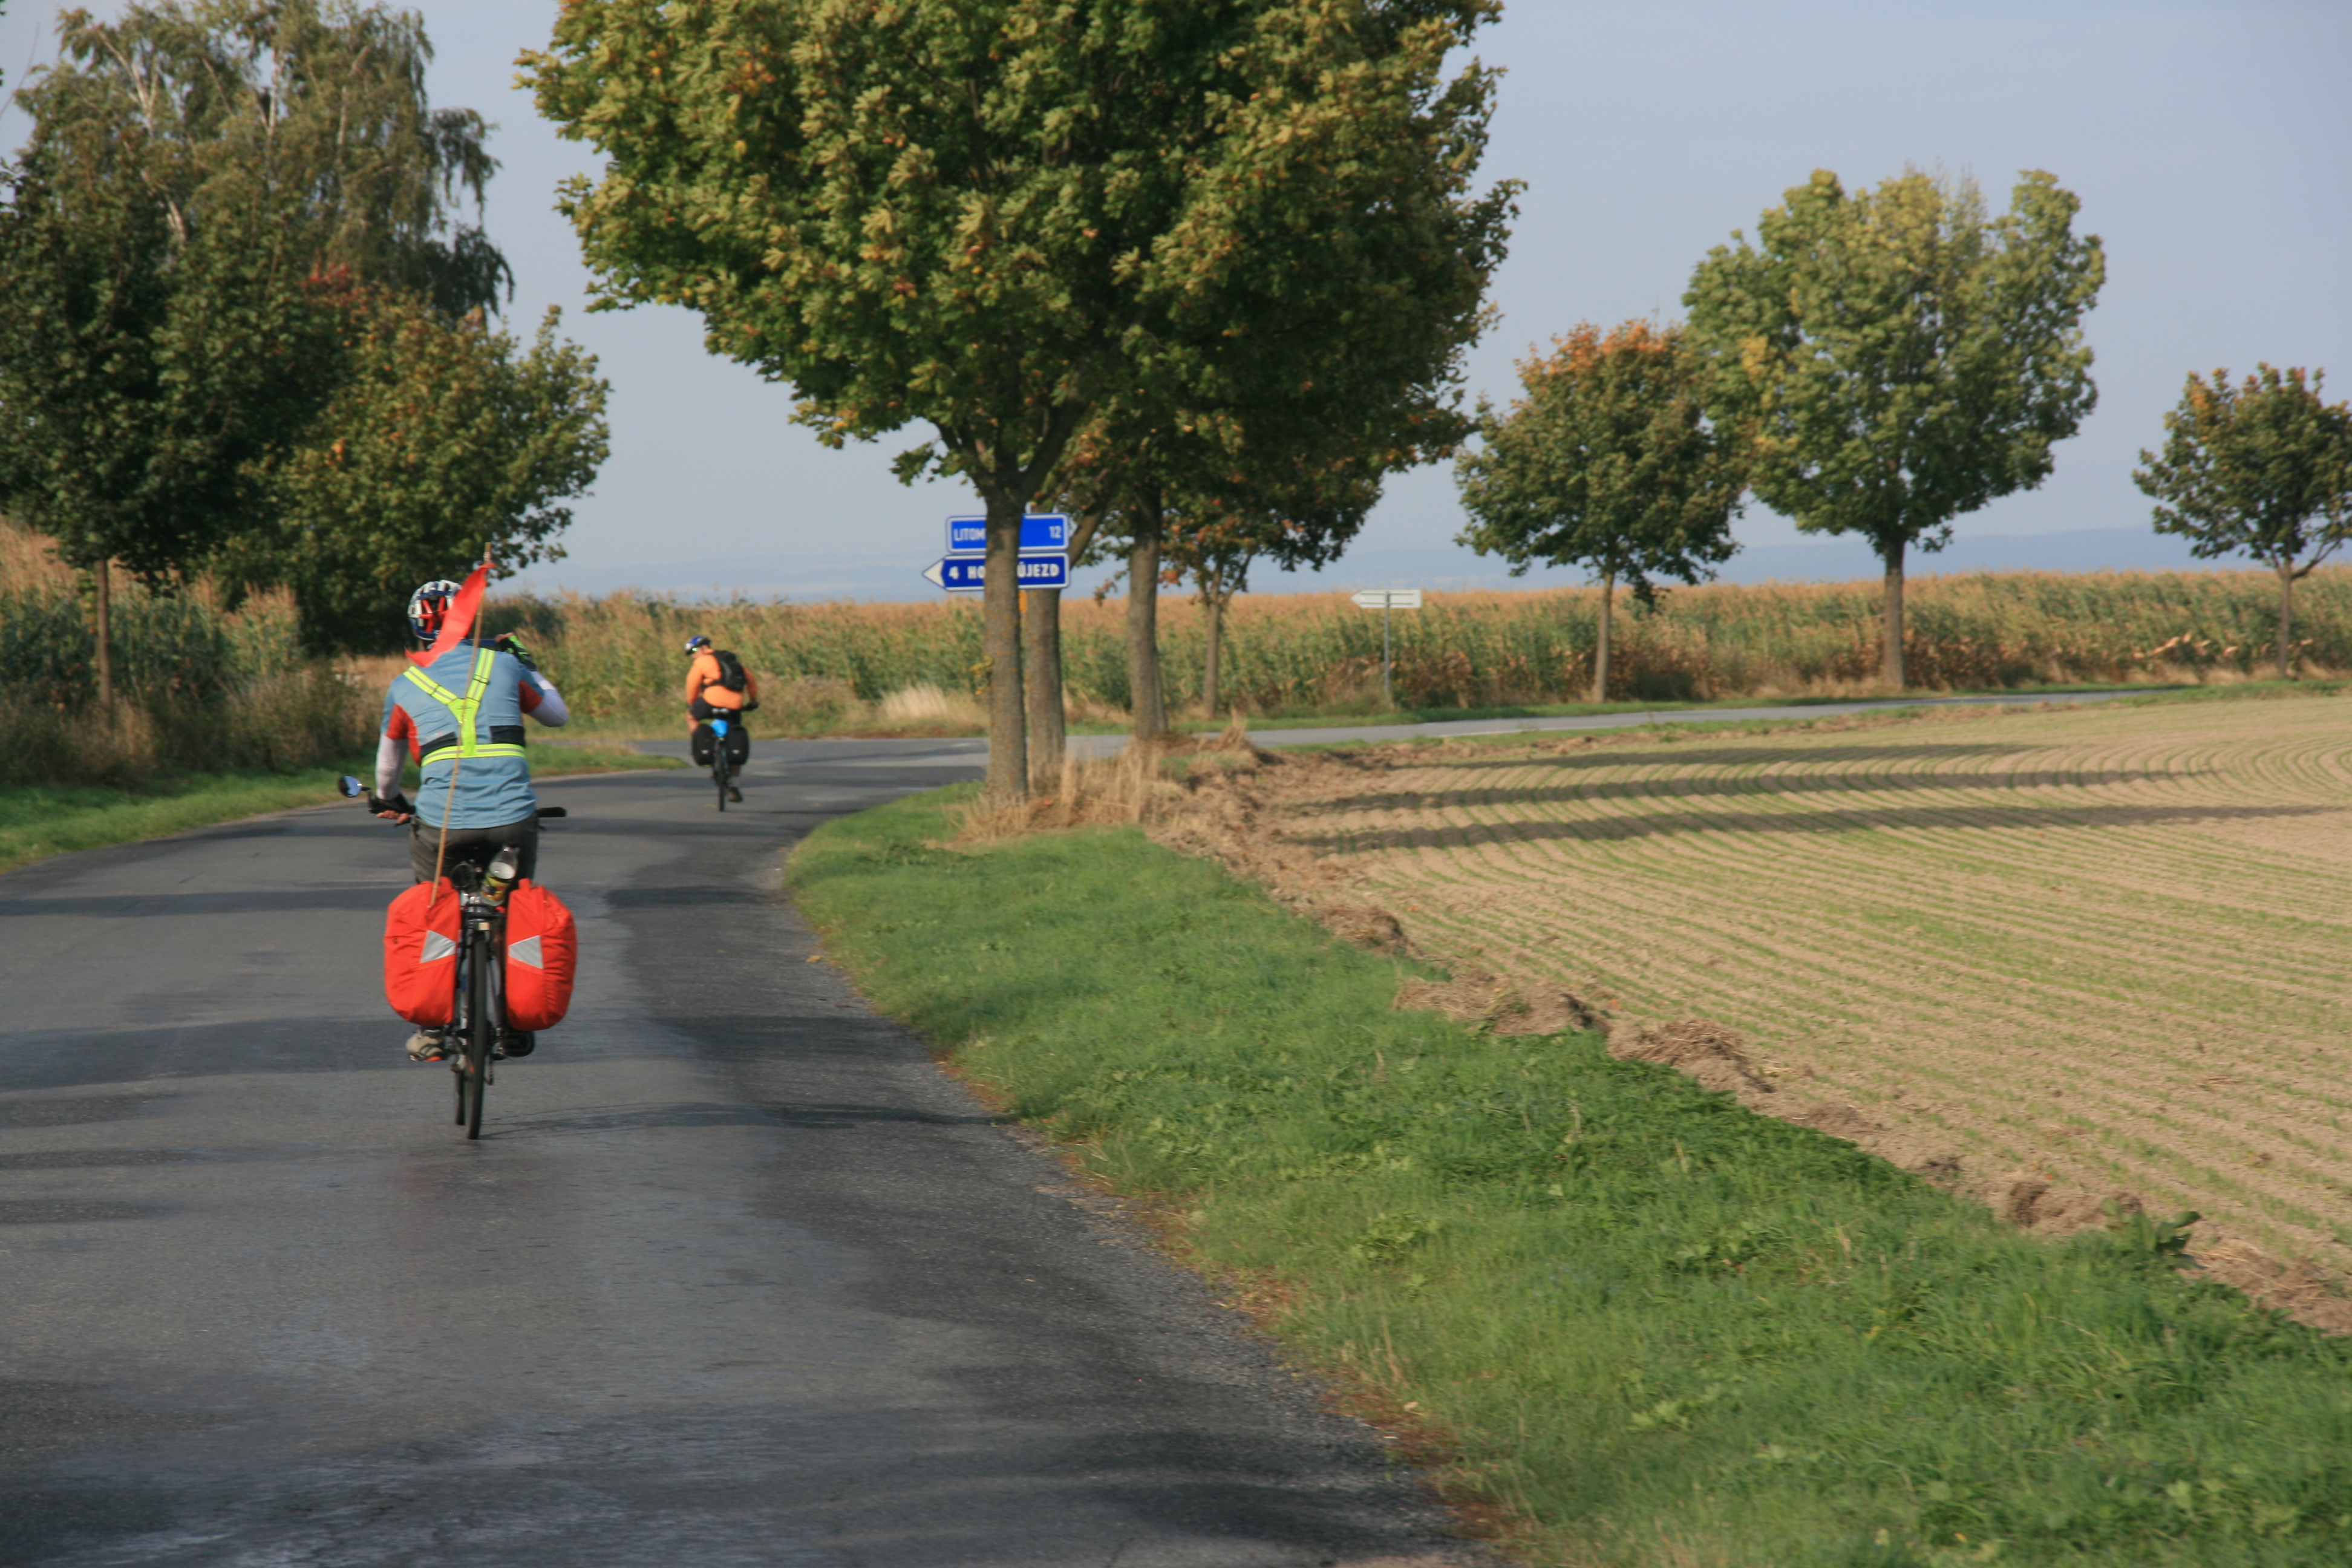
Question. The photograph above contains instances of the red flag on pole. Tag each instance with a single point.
(457, 622)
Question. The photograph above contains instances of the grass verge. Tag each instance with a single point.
(1627, 1319)
(40, 820)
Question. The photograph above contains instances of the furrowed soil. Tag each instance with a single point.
(2059, 958)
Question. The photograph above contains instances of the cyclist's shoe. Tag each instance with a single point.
(734, 794)
(425, 1046)
(517, 1043)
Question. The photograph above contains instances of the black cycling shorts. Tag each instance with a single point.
(424, 845)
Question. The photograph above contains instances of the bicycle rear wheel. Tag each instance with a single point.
(718, 771)
(453, 1040)
(481, 1031)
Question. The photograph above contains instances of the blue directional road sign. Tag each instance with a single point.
(968, 574)
(1044, 532)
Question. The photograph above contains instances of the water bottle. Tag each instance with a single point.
(500, 876)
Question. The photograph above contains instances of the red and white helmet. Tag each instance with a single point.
(428, 608)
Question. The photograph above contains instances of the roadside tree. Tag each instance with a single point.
(1901, 357)
(194, 171)
(1606, 461)
(1296, 474)
(445, 444)
(1290, 515)
(318, 112)
(139, 373)
(2264, 466)
(1000, 218)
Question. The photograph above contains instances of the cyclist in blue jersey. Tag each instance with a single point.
(460, 717)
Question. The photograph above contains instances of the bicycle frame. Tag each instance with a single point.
(477, 1012)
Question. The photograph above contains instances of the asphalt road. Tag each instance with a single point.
(735, 1275)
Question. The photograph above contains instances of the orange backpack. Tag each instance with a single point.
(542, 951)
(420, 953)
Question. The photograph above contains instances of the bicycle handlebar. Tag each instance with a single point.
(353, 789)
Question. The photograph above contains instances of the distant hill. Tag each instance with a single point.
(1436, 565)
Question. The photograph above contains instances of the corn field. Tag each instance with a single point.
(619, 657)
(179, 656)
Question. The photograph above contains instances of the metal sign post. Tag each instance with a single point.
(1384, 600)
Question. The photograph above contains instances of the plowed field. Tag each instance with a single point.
(2104, 947)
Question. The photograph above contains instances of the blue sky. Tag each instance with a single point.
(2211, 144)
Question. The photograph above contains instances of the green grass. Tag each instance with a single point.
(1644, 1325)
(41, 820)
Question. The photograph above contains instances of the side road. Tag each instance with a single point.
(972, 750)
(736, 1275)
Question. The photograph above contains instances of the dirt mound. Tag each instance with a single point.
(1226, 816)
(1708, 1051)
(2302, 1289)
(2030, 1203)
(1500, 1005)
(1366, 925)
(1718, 1058)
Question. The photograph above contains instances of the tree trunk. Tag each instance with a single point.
(1151, 708)
(1601, 650)
(2287, 616)
(1040, 629)
(1890, 657)
(1000, 601)
(106, 637)
(1213, 606)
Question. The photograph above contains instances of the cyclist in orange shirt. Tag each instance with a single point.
(718, 687)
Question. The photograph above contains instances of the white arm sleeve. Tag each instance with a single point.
(389, 754)
(550, 710)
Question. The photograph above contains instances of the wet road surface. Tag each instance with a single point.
(734, 1277)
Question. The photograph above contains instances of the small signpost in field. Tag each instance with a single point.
(1385, 600)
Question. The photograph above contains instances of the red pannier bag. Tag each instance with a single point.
(542, 952)
(420, 953)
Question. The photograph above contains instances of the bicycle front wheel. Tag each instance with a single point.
(481, 1030)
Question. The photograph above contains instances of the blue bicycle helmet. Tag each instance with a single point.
(428, 608)
(697, 645)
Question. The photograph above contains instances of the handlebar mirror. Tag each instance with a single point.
(351, 787)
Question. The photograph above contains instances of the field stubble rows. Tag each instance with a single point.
(2101, 948)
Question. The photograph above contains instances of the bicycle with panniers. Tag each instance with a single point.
(483, 956)
(719, 693)
(477, 955)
